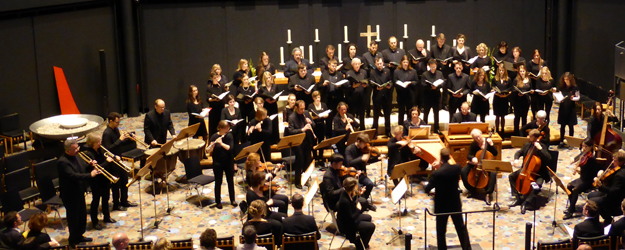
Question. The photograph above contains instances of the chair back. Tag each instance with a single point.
(226, 243)
(102, 246)
(558, 245)
(46, 169)
(183, 244)
(16, 161)
(306, 241)
(263, 240)
(9, 123)
(64, 247)
(140, 245)
(603, 242)
(18, 179)
(46, 188)
(11, 201)
(192, 167)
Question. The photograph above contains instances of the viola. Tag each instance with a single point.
(268, 166)
(602, 175)
(273, 185)
(477, 177)
(373, 151)
(531, 165)
(345, 171)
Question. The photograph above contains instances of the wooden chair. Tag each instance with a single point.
(184, 244)
(306, 241)
(103, 246)
(264, 240)
(140, 245)
(226, 243)
(603, 242)
(64, 247)
(558, 245)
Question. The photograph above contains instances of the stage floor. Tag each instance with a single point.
(509, 228)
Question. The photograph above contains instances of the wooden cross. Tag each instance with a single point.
(368, 34)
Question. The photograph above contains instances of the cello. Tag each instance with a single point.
(477, 177)
(531, 165)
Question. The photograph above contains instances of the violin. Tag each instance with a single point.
(602, 175)
(373, 151)
(477, 177)
(531, 165)
(270, 185)
(269, 167)
(582, 160)
(345, 171)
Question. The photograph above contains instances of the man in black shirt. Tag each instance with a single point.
(290, 68)
(118, 143)
(11, 237)
(156, 124)
(479, 143)
(618, 227)
(457, 82)
(299, 223)
(370, 56)
(382, 96)
(302, 80)
(423, 56)
(354, 157)
(300, 122)
(392, 55)
(446, 200)
(464, 115)
(432, 93)
(541, 121)
(325, 61)
(541, 150)
(356, 92)
(331, 94)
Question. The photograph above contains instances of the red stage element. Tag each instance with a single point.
(66, 100)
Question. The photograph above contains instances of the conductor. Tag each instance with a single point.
(156, 124)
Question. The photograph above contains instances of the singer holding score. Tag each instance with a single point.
(194, 105)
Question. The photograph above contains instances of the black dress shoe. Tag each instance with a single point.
(98, 227)
(298, 186)
(219, 206)
(119, 208)
(109, 220)
(567, 216)
(516, 203)
(86, 239)
(130, 204)
(234, 204)
(523, 209)
(373, 208)
(487, 199)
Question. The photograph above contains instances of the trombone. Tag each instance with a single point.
(132, 137)
(120, 164)
(106, 174)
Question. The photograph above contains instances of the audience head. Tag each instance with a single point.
(591, 209)
(336, 160)
(159, 106)
(38, 221)
(464, 108)
(584, 247)
(208, 239)
(162, 244)
(249, 233)
(12, 220)
(120, 241)
(297, 201)
(257, 209)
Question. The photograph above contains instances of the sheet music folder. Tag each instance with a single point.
(497, 166)
(328, 142)
(291, 141)
(399, 190)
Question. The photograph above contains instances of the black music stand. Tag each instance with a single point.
(559, 183)
(406, 169)
(328, 143)
(353, 136)
(290, 142)
(398, 192)
(497, 166)
(142, 172)
(151, 163)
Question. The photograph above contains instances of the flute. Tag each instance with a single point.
(212, 144)
(347, 120)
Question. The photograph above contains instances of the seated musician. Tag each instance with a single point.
(414, 121)
(331, 187)
(478, 144)
(541, 121)
(350, 217)
(356, 158)
(118, 143)
(300, 223)
(263, 225)
(587, 167)
(399, 150)
(258, 191)
(595, 124)
(464, 115)
(590, 227)
(100, 186)
(342, 124)
(541, 175)
(611, 188)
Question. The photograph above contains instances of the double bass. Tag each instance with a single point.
(608, 141)
(478, 177)
(531, 165)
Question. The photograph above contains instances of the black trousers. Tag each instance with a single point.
(281, 202)
(365, 181)
(76, 213)
(545, 103)
(490, 187)
(435, 105)
(404, 104)
(320, 132)
(461, 230)
(562, 129)
(576, 187)
(219, 169)
(100, 190)
(455, 103)
(365, 228)
(520, 115)
(382, 105)
(119, 189)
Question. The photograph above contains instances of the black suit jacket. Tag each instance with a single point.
(346, 216)
(331, 187)
(590, 227)
(458, 118)
(353, 158)
(617, 227)
(11, 238)
(445, 180)
(533, 125)
(155, 129)
(41, 239)
(73, 177)
(299, 223)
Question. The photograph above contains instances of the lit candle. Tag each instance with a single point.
(401, 45)
(428, 45)
(405, 30)
(346, 41)
(433, 31)
(316, 35)
(310, 52)
(340, 60)
(454, 42)
(289, 36)
(377, 30)
(302, 49)
(281, 55)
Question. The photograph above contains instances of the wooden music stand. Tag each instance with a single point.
(497, 166)
(290, 142)
(574, 141)
(328, 142)
(466, 128)
(407, 169)
(422, 132)
(187, 132)
(559, 181)
(518, 141)
(353, 136)
(246, 150)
